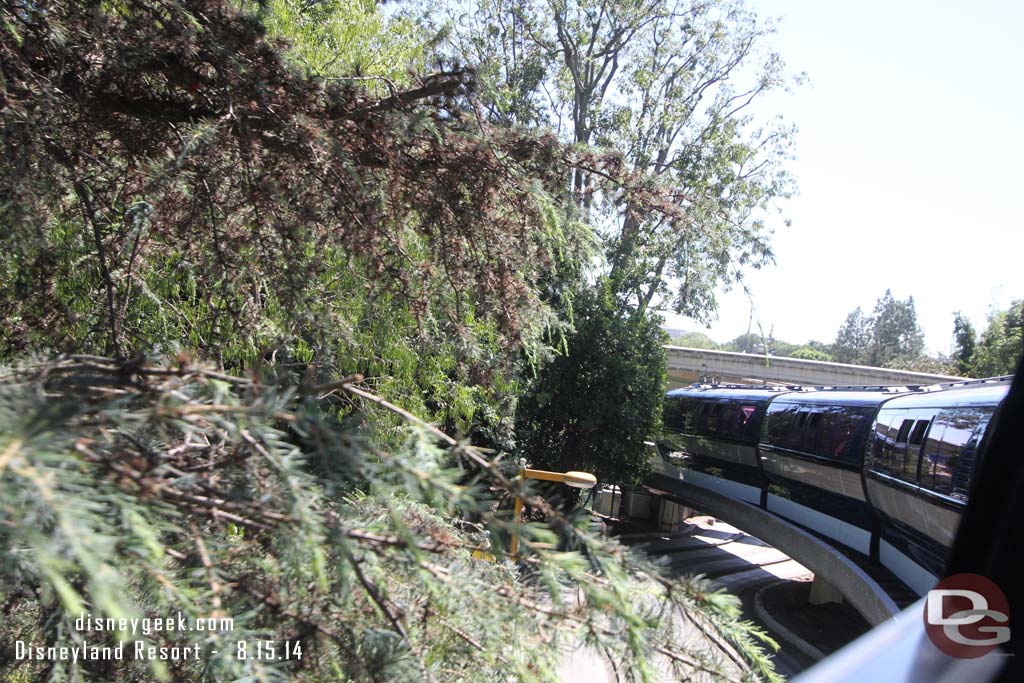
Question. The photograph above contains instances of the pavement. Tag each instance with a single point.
(773, 590)
(817, 630)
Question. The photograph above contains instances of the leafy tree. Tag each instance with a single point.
(1001, 344)
(132, 490)
(821, 346)
(347, 39)
(695, 340)
(784, 349)
(889, 335)
(669, 85)
(855, 338)
(965, 340)
(597, 404)
(808, 352)
(746, 343)
(658, 96)
(935, 365)
(897, 335)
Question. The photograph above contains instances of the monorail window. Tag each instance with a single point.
(811, 433)
(963, 470)
(904, 434)
(795, 427)
(891, 454)
(734, 420)
(685, 415)
(881, 439)
(917, 436)
(706, 422)
(950, 451)
(840, 430)
(794, 438)
(781, 419)
(674, 413)
(714, 413)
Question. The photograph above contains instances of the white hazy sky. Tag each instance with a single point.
(910, 155)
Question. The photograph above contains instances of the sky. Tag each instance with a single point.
(910, 151)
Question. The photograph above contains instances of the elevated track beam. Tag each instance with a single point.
(865, 594)
(688, 364)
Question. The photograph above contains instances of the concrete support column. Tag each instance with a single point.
(638, 504)
(671, 515)
(822, 592)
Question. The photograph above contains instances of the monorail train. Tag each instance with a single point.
(883, 470)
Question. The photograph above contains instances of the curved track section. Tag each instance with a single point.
(856, 586)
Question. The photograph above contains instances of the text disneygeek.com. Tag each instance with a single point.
(87, 624)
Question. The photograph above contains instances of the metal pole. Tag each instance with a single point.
(517, 511)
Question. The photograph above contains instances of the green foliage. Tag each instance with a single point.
(936, 365)
(890, 335)
(185, 190)
(347, 39)
(854, 340)
(178, 181)
(654, 99)
(495, 37)
(809, 353)
(749, 342)
(827, 349)
(965, 340)
(595, 405)
(1001, 344)
(754, 343)
(133, 491)
(695, 340)
(897, 335)
(666, 84)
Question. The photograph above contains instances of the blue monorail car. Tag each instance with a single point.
(918, 470)
(885, 471)
(812, 451)
(713, 432)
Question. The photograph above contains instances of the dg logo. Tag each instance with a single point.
(967, 616)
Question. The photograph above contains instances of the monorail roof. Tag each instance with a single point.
(842, 397)
(972, 393)
(981, 394)
(737, 393)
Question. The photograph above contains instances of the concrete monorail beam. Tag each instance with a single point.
(856, 586)
(685, 362)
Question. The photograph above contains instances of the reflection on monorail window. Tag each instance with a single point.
(712, 417)
(834, 432)
(936, 451)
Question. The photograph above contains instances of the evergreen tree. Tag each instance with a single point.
(888, 336)
(965, 340)
(595, 405)
(1001, 344)
(134, 490)
(896, 334)
(855, 338)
